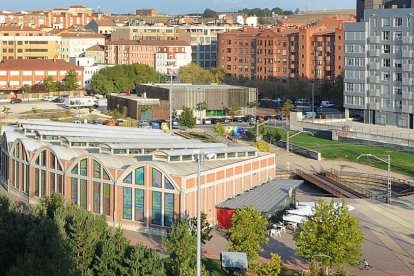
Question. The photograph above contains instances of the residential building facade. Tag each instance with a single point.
(379, 67)
(27, 43)
(97, 52)
(74, 44)
(137, 178)
(15, 73)
(146, 12)
(144, 33)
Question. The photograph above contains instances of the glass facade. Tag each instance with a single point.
(167, 184)
(37, 183)
(96, 169)
(156, 178)
(96, 197)
(74, 189)
(156, 208)
(139, 176)
(128, 178)
(106, 199)
(43, 182)
(168, 209)
(127, 205)
(139, 205)
(83, 193)
(84, 167)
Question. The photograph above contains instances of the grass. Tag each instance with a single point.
(401, 162)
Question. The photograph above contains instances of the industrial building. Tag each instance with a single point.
(136, 177)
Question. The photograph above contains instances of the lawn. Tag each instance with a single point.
(401, 162)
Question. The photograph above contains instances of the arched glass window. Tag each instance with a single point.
(156, 178)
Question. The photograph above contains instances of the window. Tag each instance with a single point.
(156, 178)
(167, 184)
(168, 209)
(386, 35)
(386, 62)
(386, 103)
(74, 190)
(106, 199)
(139, 205)
(83, 193)
(75, 169)
(37, 181)
(84, 167)
(139, 176)
(386, 76)
(398, 22)
(398, 76)
(156, 208)
(96, 169)
(127, 211)
(397, 90)
(96, 197)
(397, 35)
(385, 22)
(386, 49)
(128, 178)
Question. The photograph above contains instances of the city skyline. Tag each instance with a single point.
(186, 6)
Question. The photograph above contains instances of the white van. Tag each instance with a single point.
(48, 98)
(327, 104)
(309, 115)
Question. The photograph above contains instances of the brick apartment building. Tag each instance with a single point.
(162, 55)
(278, 54)
(27, 43)
(146, 12)
(59, 18)
(14, 73)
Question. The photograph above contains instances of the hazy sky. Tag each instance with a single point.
(177, 6)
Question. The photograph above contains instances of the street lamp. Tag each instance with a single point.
(388, 162)
(200, 157)
(288, 137)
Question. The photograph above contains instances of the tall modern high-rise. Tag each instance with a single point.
(362, 5)
(379, 66)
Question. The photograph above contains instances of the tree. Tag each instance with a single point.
(142, 260)
(201, 106)
(219, 129)
(233, 110)
(50, 84)
(194, 73)
(205, 228)
(261, 146)
(287, 107)
(34, 111)
(187, 117)
(248, 230)
(218, 75)
(6, 111)
(71, 80)
(331, 231)
(271, 268)
(272, 136)
(208, 13)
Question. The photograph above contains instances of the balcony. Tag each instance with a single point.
(373, 66)
(374, 92)
(374, 53)
(407, 53)
(374, 39)
(407, 81)
(328, 68)
(407, 40)
(407, 67)
(292, 66)
(407, 95)
(374, 79)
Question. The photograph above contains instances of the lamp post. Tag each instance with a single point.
(288, 137)
(388, 162)
(200, 157)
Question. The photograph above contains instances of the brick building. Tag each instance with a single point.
(146, 12)
(138, 178)
(14, 73)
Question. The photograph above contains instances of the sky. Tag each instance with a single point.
(177, 6)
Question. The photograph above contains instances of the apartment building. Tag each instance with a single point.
(144, 33)
(276, 54)
(59, 18)
(97, 52)
(74, 44)
(163, 55)
(362, 5)
(14, 73)
(27, 43)
(102, 26)
(203, 41)
(379, 66)
(146, 12)
(313, 52)
(237, 52)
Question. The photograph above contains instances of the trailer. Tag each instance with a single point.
(80, 102)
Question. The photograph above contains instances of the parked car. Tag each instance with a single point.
(48, 98)
(13, 101)
(280, 117)
(59, 100)
(309, 115)
(327, 104)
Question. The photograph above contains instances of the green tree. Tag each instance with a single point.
(142, 260)
(187, 117)
(71, 80)
(233, 110)
(100, 84)
(218, 75)
(209, 13)
(205, 228)
(271, 268)
(272, 136)
(261, 146)
(287, 107)
(219, 129)
(194, 73)
(331, 231)
(50, 84)
(6, 111)
(247, 232)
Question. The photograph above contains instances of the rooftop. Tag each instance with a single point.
(149, 42)
(204, 86)
(37, 64)
(96, 48)
(82, 35)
